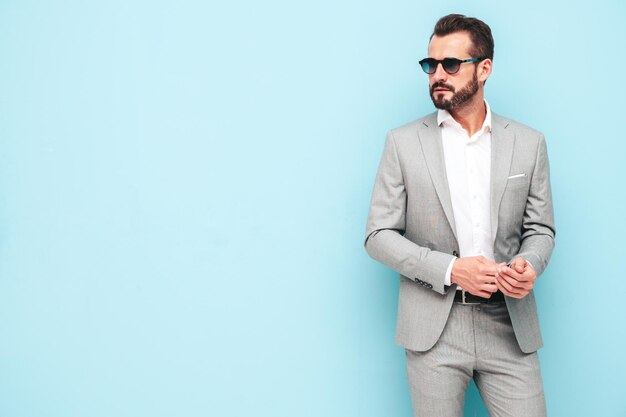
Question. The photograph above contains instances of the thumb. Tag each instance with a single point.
(519, 264)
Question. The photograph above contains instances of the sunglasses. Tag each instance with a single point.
(450, 65)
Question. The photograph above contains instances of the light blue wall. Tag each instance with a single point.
(184, 188)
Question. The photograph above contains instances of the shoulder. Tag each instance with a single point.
(521, 131)
(409, 131)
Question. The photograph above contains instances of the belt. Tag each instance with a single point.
(464, 297)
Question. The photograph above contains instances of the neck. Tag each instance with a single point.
(471, 115)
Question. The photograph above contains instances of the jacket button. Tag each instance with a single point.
(455, 253)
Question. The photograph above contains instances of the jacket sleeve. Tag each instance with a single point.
(538, 230)
(386, 225)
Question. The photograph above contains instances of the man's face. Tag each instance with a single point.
(452, 90)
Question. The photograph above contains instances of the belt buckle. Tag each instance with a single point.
(463, 292)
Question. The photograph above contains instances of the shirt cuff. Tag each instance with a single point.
(449, 272)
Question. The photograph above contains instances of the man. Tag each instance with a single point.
(462, 209)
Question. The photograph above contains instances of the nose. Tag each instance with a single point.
(439, 74)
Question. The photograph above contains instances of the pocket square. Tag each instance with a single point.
(517, 176)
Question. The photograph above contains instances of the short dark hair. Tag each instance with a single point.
(479, 31)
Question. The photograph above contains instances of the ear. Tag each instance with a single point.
(484, 70)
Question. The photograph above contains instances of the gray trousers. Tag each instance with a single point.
(478, 342)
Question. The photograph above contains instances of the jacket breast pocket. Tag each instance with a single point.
(517, 182)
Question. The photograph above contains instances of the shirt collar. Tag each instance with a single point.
(444, 116)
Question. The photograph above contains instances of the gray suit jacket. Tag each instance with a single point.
(411, 228)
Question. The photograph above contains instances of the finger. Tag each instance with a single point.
(510, 272)
(484, 280)
(519, 264)
(504, 286)
(529, 275)
(516, 294)
(510, 286)
(491, 288)
(506, 291)
(513, 273)
(487, 283)
(484, 290)
(483, 294)
(499, 268)
(490, 269)
(509, 280)
(518, 285)
(502, 289)
(524, 280)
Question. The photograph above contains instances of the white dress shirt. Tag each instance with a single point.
(468, 168)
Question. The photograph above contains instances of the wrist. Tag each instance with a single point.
(453, 276)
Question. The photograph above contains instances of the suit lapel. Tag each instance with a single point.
(502, 143)
(430, 138)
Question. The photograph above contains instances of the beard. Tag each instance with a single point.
(468, 91)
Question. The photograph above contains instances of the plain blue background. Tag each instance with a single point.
(184, 188)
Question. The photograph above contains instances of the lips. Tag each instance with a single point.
(440, 87)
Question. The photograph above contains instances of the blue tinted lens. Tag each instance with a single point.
(451, 65)
(429, 65)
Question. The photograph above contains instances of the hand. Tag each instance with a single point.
(476, 275)
(518, 280)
